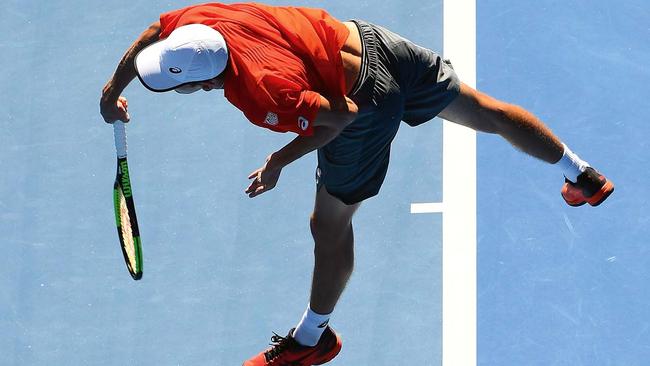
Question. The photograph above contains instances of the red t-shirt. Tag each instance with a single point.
(280, 59)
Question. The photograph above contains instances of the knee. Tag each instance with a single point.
(327, 232)
(495, 114)
(320, 228)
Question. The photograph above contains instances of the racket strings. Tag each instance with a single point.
(127, 233)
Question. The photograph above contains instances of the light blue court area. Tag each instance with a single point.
(556, 285)
(560, 285)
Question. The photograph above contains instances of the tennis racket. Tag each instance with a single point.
(127, 223)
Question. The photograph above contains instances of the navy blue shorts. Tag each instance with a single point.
(399, 81)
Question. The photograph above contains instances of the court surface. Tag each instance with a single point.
(555, 285)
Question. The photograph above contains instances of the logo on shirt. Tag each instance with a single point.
(303, 123)
(175, 70)
(271, 118)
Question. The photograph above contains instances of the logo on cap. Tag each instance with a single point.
(175, 70)
(303, 123)
(271, 118)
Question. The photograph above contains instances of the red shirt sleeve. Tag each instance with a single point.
(296, 109)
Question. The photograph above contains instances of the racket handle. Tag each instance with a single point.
(119, 130)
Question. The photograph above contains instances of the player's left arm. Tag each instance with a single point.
(333, 116)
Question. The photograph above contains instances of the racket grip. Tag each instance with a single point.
(119, 130)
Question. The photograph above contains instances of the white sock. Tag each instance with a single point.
(571, 164)
(311, 327)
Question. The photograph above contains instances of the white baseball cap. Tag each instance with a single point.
(191, 53)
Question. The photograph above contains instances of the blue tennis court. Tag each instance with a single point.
(555, 285)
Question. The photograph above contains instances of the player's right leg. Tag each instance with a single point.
(331, 228)
(313, 341)
(523, 130)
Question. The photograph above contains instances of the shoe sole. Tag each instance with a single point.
(339, 346)
(601, 195)
(598, 198)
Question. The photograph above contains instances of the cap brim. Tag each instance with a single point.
(188, 88)
(147, 67)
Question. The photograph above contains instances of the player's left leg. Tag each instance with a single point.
(523, 130)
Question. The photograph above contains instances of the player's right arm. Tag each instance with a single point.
(109, 107)
(333, 116)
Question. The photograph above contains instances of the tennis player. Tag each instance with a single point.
(344, 88)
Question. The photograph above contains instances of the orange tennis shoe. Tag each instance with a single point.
(591, 187)
(287, 352)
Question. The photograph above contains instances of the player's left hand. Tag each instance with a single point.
(264, 178)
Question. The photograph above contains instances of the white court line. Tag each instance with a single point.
(418, 208)
(459, 198)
